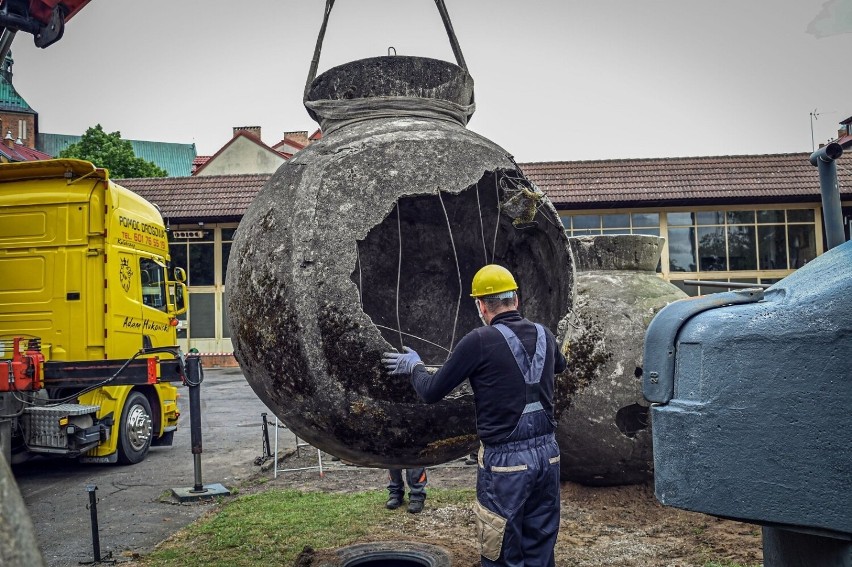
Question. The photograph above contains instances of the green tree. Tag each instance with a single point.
(113, 153)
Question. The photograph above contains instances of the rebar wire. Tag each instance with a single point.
(399, 276)
(360, 285)
(538, 211)
(412, 336)
(481, 225)
(458, 272)
(496, 220)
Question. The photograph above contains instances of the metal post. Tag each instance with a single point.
(267, 452)
(93, 514)
(275, 454)
(194, 378)
(832, 213)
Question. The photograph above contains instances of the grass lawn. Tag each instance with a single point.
(272, 528)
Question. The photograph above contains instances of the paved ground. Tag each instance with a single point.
(134, 509)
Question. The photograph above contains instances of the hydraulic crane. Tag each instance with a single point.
(44, 19)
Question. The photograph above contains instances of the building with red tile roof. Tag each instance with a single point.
(15, 151)
(245, 152)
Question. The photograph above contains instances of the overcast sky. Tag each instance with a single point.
(555, 79)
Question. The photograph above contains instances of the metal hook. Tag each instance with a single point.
(389, 51)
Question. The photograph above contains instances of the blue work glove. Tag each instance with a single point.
(401, 363)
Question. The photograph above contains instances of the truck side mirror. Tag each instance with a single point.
(180, 275)
(177, 295)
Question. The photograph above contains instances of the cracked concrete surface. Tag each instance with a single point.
(308, 346)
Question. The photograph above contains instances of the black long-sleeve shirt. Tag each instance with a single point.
(498, 386)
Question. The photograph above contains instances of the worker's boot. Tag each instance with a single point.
(415, 506)
(393, 503)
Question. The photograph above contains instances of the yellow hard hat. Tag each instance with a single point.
(491, 280)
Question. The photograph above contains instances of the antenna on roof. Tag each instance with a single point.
(814, 115)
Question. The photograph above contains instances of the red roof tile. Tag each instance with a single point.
(289, 142)
(224, 197)
(22, 153)
(676, 181)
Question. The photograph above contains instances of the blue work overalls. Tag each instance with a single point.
(517, 485)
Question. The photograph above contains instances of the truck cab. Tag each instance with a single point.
(86, 297)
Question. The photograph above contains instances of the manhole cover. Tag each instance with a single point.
(391, 554)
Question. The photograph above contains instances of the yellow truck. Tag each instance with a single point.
(88, 313)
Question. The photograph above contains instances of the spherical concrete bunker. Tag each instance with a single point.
(604, 430)
(368, 239)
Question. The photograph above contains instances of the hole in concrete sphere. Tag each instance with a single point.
(414, 271)
(631, 419)
(638, 372)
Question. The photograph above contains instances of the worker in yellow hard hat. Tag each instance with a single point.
(510, 363)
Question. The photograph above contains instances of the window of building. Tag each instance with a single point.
(227, 240)
(711, 249)
(645, 223)
(204, 253)
(682, 250)
(772, 243)
(612, 223)
(742, 247)
(226, 323)
(22, 129)
(193, 250)
(735, 240)
(202, 315)
(585, 224)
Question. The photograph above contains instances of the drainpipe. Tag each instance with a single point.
(832, 214)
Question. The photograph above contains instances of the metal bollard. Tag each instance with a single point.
(194, 378)
(267, 448)
(93, 514)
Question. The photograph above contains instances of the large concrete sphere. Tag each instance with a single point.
(18, 545)
(367, 240)
(603, 428)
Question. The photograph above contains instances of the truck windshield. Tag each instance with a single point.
(153, 284)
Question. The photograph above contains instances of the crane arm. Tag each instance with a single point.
(44, 19)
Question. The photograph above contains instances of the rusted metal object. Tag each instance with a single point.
(367, 240)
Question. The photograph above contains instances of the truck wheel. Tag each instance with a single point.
(135, 431)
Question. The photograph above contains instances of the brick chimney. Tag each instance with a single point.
(299, 136)
(10, 141)
(253, 130)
